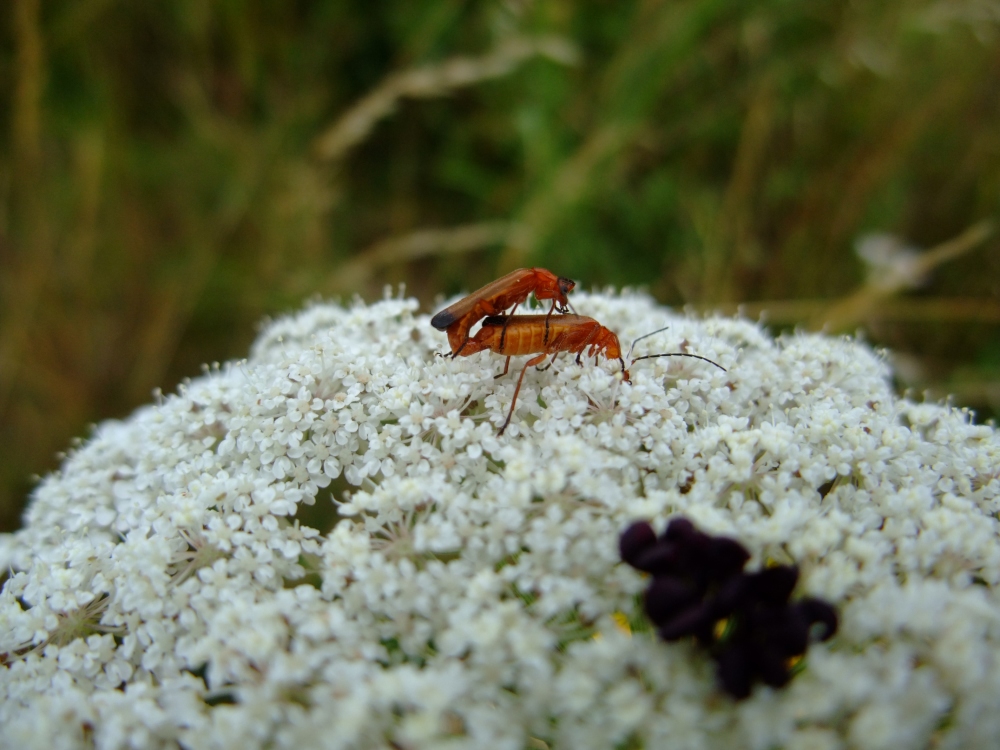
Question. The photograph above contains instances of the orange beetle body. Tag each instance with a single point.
(543, 335)
(506, 292)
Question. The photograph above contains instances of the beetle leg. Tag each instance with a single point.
(543, 369)
(503, 332)
(517, 388)
(545, 341)
(505, 366)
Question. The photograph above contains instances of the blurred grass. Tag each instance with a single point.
(172, 172)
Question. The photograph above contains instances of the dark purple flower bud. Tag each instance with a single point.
(772, 667)
(692, 621)
(662, 559)
(816, 611)
(733, 595)
(733, 670)
(680, 530)
(725, 558)
(636, 539)
(784, 629)
(773, 586)
(699, 581)
(666, 598)
(697, 548)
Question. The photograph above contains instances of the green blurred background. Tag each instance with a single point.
(173, 172)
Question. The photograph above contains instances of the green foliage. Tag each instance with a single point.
(167, 176)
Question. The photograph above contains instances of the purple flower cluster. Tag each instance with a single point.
(698, 581)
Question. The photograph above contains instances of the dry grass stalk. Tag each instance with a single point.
(925, 310)
(433, 81)
(31, 250)
(419, 244)
(864, 303)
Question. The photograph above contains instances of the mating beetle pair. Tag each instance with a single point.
(540, 335)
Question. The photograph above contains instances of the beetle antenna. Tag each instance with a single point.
(679, 354)
(644, 336)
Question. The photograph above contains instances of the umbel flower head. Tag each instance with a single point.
(327, 545)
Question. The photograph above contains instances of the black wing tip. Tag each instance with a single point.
(443, 319)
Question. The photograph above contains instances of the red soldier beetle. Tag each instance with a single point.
(508, 291)
(541, 335)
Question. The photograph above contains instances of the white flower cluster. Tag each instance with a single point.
(329, 546)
